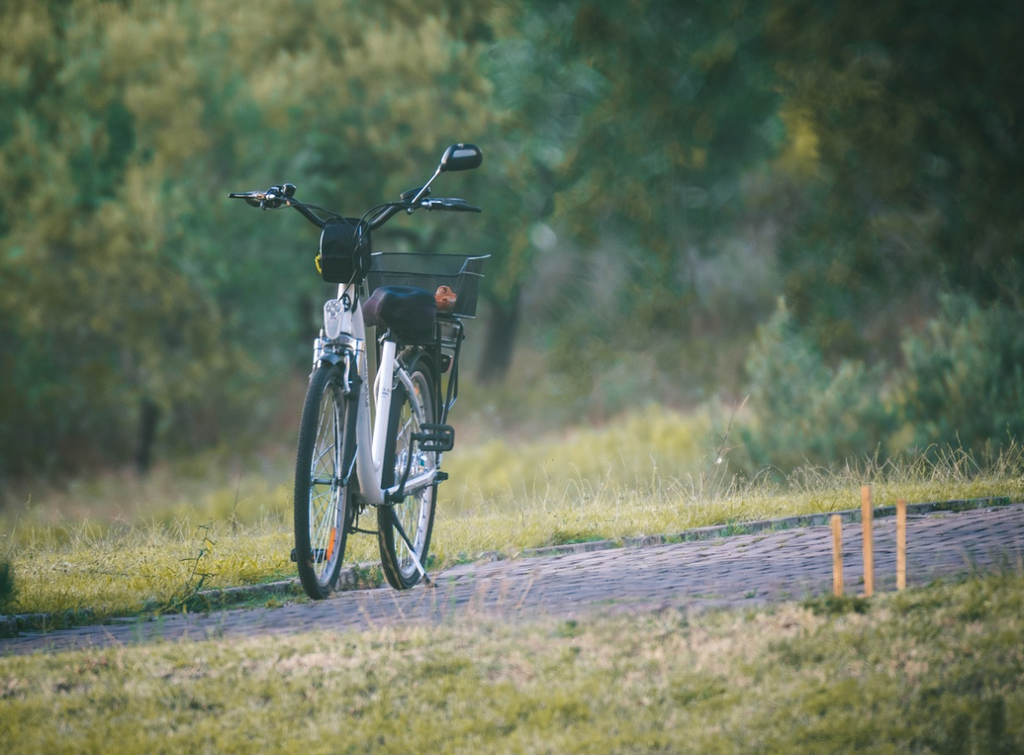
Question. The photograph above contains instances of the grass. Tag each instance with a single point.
(119, 545)
(933, 670)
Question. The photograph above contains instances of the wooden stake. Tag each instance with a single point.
(867, 516)
(837, 555)
(901, 544)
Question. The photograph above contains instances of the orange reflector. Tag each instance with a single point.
(330, 546)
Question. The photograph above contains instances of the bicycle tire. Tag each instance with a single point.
(415, 512)
(322, 505)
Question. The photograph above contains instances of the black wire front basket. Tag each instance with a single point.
(431, 271)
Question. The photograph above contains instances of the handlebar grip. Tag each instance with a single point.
(449, 204)
(252, 198)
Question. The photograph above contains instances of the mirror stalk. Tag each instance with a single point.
(424, 188)
(456, 157)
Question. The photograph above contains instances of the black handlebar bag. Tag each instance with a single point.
(344, 252)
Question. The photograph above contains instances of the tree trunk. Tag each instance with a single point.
(149, 416)
(499, 340)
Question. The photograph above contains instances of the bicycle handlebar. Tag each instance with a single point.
(457, 157)
(283, 195)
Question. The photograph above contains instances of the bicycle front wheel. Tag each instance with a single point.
(415, 513)
(322, 501)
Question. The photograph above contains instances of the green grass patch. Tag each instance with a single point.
(919, 671)
(837, 604)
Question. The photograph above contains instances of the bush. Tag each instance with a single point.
(964, 378)
(805, 412)
(962, 386)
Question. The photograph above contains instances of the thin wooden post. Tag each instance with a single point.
(837, 555)
(901, 544)
(867, 516)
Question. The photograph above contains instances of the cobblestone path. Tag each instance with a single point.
(742, 570)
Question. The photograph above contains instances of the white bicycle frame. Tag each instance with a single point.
(345, 331)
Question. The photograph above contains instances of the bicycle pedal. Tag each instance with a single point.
(435, 438)
(318, 555)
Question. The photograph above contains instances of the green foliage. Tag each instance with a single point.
(805, 412)
(864, 162)
(837, 605)
(917, 143)
(657, 174)
(635, 144)
(961, 386)
(964, 380)
(126, 278)
(676, 118)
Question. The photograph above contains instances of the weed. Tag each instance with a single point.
(562, 537)
(187, 597)
(837, 605)
(568, 628)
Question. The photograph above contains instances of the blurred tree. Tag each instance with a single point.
(631, 127)
(111, 320)
(633, 144)
(540, 94)
(917, 118)
(130, 289)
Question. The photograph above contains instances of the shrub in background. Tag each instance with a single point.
(962, 386)
(804, 411)
(963, 383)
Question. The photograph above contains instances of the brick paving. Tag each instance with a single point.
(741, 570)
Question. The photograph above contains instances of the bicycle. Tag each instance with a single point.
(344, 467)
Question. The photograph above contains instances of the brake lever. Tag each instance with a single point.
(271, 199)
(277, 197)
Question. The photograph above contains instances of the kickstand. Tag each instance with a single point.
(412, 551)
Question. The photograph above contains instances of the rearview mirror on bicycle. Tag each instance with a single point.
(345, 467)
(461, 157)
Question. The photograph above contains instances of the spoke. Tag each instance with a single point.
(410, 423)
(411, 515)
(324, 478)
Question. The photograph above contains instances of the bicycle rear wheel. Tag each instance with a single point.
(415, 513)
(322, 502)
